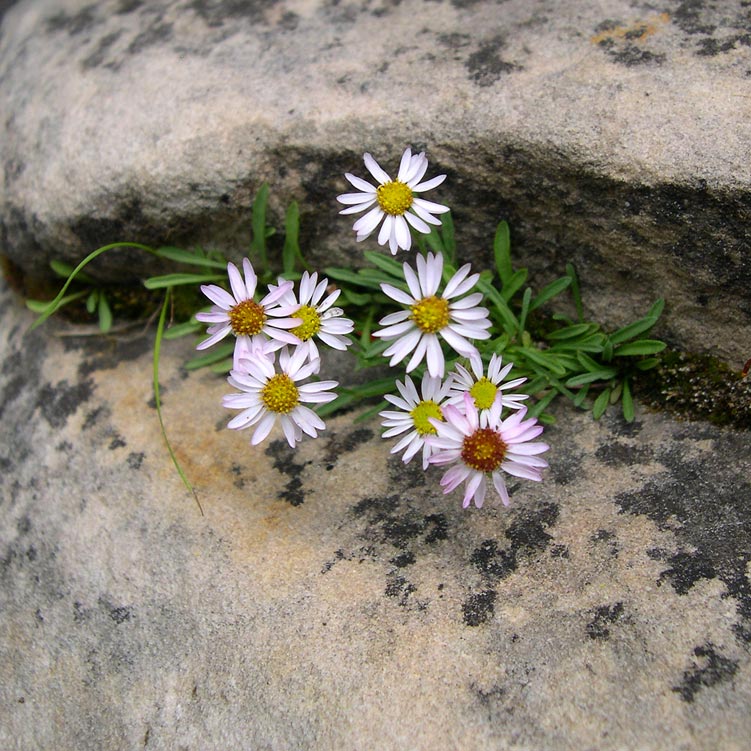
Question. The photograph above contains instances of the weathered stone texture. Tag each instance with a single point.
(613, 134)
(332, 597)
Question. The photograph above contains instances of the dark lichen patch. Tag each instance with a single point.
(135, 459)
(478, 608)
(94, 416)
(618, 454)
(106, 353)
(527, 534)
(74, 24)
(710, 47)
(117, 442)
(342, 443)
(686, 569)
(607, 538)
(703, 499)
(155, 34)
(57, 403)
(603, 618)
(698, 387)
(486, 66)
(404, 559)
(98, 56)
(711, 669)
(399, 587)
(284, 461)
(215, 12)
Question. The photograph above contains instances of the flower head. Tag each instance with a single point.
(482, 387)
(238, 313)
(268, 395)
(413, 414)
(319, 320)
(483, 449)
(394, 201)
(456, 319)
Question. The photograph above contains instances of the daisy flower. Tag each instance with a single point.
(484, 388)
(413, 413)
(239, 314)
(267, 395)
(319, 319)
(482, 450)
(415, 330)
(394, 201)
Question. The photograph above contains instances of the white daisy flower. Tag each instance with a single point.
(413, 414)
(394, 201)
(484, 449)
(319, 319)
(457, 319)
(267, 395)
(484, 388)
(238, 313)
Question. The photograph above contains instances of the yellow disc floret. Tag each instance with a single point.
(484, 450)
(483, 392)
(394, 197)
(311, 323)
(420, 414)
(430, 314)
(280, 394)
(247, 318)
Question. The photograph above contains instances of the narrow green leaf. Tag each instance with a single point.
(223, 366)
(40, 306)
(157, 396)
(55, 304)
(105, 314)
(345, 275)
(192, 258)
(291, 251)
(575, 292)
(502, 253)
(447, 234)
(571, 332)
(183, 329)
(628, 402)
(258, 227)
(601, 404)
(648, 363)
(514, 284)
(638, 327)
(389, 265)
(173, 280)
(92, 300)
(434, 241)
(640, 347)
(607, 350)
(510, 324)
(540, 358)
(65, 270)
(581, 395)
(214, 355)
(598, 375)
(537, 408)
(592, 343)
(588, 363)
(550, 291)
(372, 412)
(351, 297)
(526, 299)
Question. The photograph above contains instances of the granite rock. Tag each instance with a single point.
(332, 597)
(614, 134)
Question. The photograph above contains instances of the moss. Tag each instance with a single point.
(697, 387)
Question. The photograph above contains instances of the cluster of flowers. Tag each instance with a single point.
(456, 419)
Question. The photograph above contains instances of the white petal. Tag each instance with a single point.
(264, 428)
(374, 168)
(429, 184)
(360, 184)
(219, 296)
(366, 224)
(433, 208)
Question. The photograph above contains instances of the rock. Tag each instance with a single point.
(332, 597)
(611, 136)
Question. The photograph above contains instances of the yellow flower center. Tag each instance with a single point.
(280, 394)
(394, 197)
(431, 314)
(484, 450)
(247, 318)
(483, 392)
(311, 323)
(421, 413)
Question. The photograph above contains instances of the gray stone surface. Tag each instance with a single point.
(333, 598)
(614, 134)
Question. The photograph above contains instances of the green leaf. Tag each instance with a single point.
(591, 377)
(56, 303)
(182, 329)
(173, 280)
(640, 326)
(345, 275)
(601, 404)
(514, 284)
(214, 355)
(588, 363)
(575, 292)
(502, 253)
(591, 343)
(105, 314)
(648, 363)
(192, 258)
(291, 251)
(581, 395)
(510, 324)
(92, 300)
(258, 227)
(389, 265)
(355, 298)
(550, 291)
(537, 408)
(157, 396)
(628, 402)
(640, 347)
(447, 234)
(540, 358)
(434, 241)
(41, 306)
(572, 332)
(65, 270)
(525, 308)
